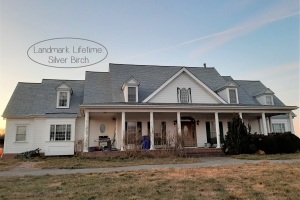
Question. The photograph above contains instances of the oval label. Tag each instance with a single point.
(67, 52)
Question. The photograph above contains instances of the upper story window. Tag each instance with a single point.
(63, 99)
(131, 94)
(232, 96)
(184, 95)
(269, 100)
(130, 90)
(63, 95)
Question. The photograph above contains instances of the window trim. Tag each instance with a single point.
(271, 98)
(282, 125)
(135, 89)
(126, 93)
(21, 141)
(68, 99)
(55, 131)
(236, 96)
(188, 93)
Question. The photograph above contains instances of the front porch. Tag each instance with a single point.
(126, 130)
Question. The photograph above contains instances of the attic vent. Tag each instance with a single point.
(204, 64)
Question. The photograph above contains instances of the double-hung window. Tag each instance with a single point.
(232, 96)
(21, 133)
(269, 100)
(60, 132)
(63, 99)
(131, 94)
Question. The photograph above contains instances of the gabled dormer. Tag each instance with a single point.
(131, 90)
(229, 92)
(265, 97)
(64, 92)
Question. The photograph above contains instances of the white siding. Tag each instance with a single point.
(94, 132)
(262, 99)
(59, 147)
(224, 95)
(169, 93)
(10, 144)
(79, 129)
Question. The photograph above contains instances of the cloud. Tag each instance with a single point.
(276, 13)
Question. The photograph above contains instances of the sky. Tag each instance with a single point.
(248, 40)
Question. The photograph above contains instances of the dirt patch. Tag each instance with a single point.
(26, 166)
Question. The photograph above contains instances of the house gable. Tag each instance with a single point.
(200, 93)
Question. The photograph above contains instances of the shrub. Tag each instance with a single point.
(238, 138)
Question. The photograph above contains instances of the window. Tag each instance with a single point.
(60, 132)
(269, 100)
(63, 99)
(232, 96)
(21, 134)
(184, 95)
(160, 137)
(64, 93)
(278, 128)
(131, 94)
(133, 133)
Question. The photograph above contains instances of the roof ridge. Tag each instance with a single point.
(160, 65)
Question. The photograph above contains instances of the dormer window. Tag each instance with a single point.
(269, 100)
(132, 94)
(130, 90)
(265, 97)
(62, 99)
(232, 96)
(184, 95)
(64, 93)
(229, 92)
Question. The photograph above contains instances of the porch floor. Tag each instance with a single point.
(188, 152)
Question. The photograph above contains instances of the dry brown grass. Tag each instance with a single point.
(80, 163)
(8, 163)
(248, 181)
(268, 157)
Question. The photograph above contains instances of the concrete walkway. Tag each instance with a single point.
(205, 162)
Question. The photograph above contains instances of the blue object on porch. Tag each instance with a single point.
(146, 142)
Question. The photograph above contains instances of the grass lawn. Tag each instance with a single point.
(79, 163)
(268, 157)
(248, 181)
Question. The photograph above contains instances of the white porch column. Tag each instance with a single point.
(291, 123)
(265, 131)
(217, 129)
(178, 124)
(86, 131)
(179, 131)
(270, 125)
(123, 132)
(151, 131)
(241, 115)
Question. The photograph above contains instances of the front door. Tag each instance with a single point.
(188, 134)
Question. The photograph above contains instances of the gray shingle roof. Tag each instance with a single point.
(250, 88)
(40, 99)
(97, 88)
(106, 88)
(152, 77)
(20, 103)
(46, 98)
